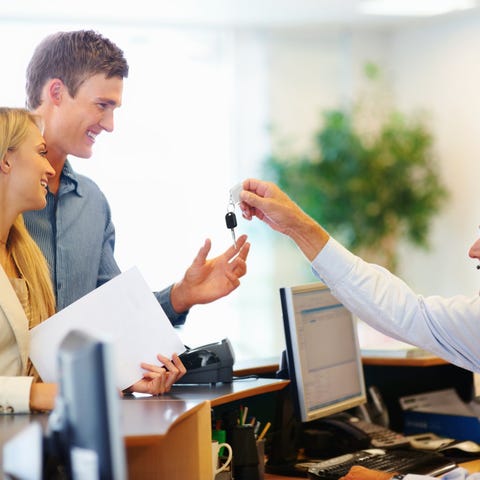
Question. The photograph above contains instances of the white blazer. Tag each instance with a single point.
(14, 350)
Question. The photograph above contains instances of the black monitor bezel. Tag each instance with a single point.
(287, 296)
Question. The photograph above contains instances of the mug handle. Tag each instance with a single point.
(229, 459)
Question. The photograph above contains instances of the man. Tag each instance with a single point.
(75, 83)
(447, 327)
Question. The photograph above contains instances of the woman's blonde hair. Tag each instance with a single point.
(27, 256)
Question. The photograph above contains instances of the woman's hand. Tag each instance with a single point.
(157, 379)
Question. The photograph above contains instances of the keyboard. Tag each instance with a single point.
(396, 460)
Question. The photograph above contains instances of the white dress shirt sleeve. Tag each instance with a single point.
(447, 327)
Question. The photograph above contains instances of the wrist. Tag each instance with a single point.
(310, 237)
(42, 396)
(178, 298)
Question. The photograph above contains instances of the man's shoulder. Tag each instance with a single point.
(86, 182)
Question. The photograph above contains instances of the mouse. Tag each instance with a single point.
(465, 447)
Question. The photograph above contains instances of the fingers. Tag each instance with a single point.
(157, 379)
(243, 253)
(251, 205)
(154, 380)
(175, 369)
(239, 264)
(232, 251)
(254, 185)
(179, 364)
(203, 253)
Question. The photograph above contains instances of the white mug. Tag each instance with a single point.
(215, 450)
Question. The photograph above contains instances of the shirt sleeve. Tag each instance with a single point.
(447, 327)
(413, 476)
(15, 394)
(163, 298)
(456, 474)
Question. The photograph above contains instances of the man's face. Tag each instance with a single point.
(76, 122)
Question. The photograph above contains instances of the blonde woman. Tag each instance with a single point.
(26, 296)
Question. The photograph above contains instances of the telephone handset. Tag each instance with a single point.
(333, 436)
(344, 434)
(210, 363)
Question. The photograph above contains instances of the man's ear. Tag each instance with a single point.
(55, 90)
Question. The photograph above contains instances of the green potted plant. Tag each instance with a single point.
(367, 190)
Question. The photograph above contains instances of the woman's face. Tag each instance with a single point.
(29, 172)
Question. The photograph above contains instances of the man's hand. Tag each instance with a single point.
(362, 473)
(159, 379)
(208, 280)
(268, 203)
(271, 205)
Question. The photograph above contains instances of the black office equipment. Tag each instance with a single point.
(85, 439)
(400, 461)
(210, 363)
(325, 367)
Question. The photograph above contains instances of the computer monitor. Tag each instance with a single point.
(323, 353)
(85, 422)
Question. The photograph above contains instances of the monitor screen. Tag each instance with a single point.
(86, 418)
(323, 353)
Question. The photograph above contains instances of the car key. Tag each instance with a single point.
(231, 221)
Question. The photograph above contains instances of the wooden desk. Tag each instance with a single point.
(424, 361)
(157, 429)
(167, 437)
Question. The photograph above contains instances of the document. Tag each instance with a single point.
(123, 311)
(444, 401)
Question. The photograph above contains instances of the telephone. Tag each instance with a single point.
(333, 436)
(210, 363)
(344, 433)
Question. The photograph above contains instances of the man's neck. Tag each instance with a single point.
(57, 162)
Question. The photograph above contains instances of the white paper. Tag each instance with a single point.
(444, 401)
(123, 311)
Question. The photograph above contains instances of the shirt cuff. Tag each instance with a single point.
(15, 394)
(163, 298)
(333, 262)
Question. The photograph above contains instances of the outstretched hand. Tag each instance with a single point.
(208, 280)
(269, 203)
(157, 379)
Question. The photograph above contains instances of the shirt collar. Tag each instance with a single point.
(69, 180)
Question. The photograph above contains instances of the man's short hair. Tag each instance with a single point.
(73, 57)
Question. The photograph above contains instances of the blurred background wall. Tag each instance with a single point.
(213, 90)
